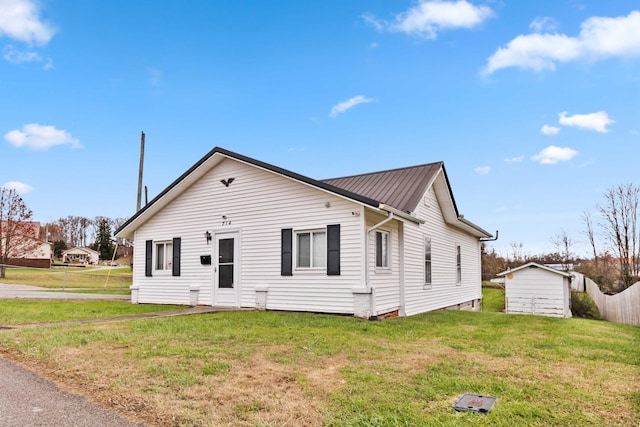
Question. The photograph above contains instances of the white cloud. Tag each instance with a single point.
(429, 17)
(20, 20)
(552, 155)
(545, 24)
(483, 170)
(594, 121)
(16, 56)
(39, 137)
(516, 159)
(19, 187)
(549, 130)
(350, 103)
(599, 38)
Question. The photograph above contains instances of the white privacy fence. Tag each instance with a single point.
(620, 308)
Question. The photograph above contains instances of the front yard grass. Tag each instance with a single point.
(116, 280)
(21, 311)
(300, 369)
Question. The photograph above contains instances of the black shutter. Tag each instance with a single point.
(148, 258)
(333, 250)
(286, 259)
(175, 268)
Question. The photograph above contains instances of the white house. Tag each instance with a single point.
(237, 232)
(537, 289)
(81, 256)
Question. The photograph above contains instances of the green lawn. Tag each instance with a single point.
(295, 369)
(493, 300)
(19, 311)
(116, 280)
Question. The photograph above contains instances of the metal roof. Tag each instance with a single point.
(400, 188)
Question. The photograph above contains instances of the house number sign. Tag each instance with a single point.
(226, 222)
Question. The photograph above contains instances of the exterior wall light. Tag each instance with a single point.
(207, 236)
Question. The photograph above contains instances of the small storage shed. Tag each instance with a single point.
(537, 289)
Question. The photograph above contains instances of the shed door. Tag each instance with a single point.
(226, 285)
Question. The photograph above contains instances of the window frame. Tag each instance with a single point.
(385, 237)
(428, 262)
(312, 256)
(458, 253)
(167, 264)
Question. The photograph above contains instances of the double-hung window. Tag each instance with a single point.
(311, 249)
(164, 255)
(382, 249)
(427, 261)
(458, 264)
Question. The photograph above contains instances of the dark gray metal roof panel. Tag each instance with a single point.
(399, 188)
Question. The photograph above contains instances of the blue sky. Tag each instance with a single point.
(533, 106)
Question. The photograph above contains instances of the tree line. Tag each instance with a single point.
(613, 234)
(17, 234)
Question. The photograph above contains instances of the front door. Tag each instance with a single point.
(226, 283)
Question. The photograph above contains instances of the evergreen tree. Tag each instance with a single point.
(103, 244)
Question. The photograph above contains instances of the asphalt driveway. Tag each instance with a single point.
(29, 400)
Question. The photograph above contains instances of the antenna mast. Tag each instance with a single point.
(140, 171)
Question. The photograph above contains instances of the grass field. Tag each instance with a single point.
(115, 280)
(19, 311)
(299, 369)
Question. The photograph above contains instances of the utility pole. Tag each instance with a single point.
(140, 171)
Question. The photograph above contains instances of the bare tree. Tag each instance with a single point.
(563, 244)
(517, 256)
(620, 218)
(117, 223)
(588, 222)
(18, 234)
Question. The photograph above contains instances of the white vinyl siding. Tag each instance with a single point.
(385, 281)
(258, 204)
(445, 289)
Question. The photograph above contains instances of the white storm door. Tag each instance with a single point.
(226, 284)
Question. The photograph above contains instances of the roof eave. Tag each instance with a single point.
(400, 214)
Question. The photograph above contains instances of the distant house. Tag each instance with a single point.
(81, 256)
(537, 289)
(26, 249)
(233, 231)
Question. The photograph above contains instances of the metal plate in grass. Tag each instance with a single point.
(475, 403)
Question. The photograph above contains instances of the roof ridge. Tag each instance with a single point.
(383, 171)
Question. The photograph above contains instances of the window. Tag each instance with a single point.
(311, 249)
(458, 264)
(382, 249)
(427, 261)
(164, 255)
